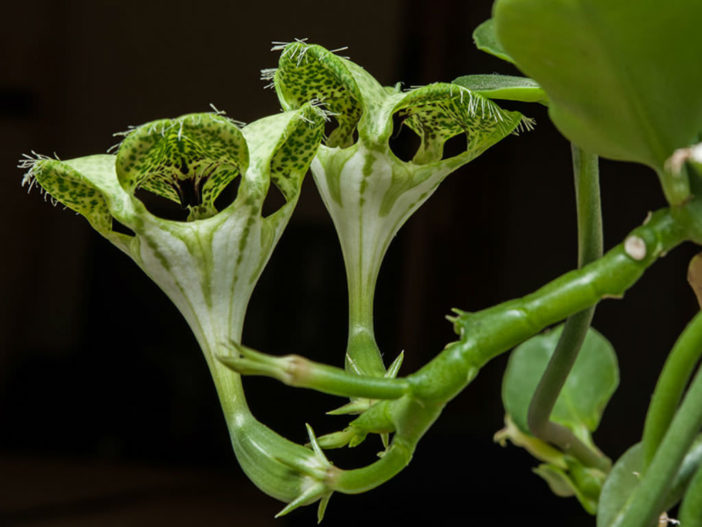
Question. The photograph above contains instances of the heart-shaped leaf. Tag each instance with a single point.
(622, 77)
(587, 389)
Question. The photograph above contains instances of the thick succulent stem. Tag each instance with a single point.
(669, 390)
(485, 335)
(488, 333)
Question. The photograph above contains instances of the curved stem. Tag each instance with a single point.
(486, 334)
(358, 480)
(648, 499)
(589, 213)
(671, 384)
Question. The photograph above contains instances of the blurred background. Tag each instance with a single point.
(107, 413)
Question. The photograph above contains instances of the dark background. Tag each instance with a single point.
(107, 413)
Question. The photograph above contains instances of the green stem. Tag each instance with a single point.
(587, 196)
(300, 372)
(486, 334)
(358, 480)
(676, 187)
(227, 383)
(670, 387)
(690, 514)
(589, 214)
(410, 418)
(647, 501)
(362, 354)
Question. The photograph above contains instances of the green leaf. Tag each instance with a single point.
(623, 78)
(485, 40)
(690, 465)
(691, 507)
(504, 87)
(620, 484)
(562, 483)
(626, 474)
(557, 480)
(587, 389)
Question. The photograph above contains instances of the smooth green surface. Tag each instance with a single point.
(625, 477)
(622, 77)
(300, 372)
(621, 482)
(674, 377)
(504, 87)
(588, 388)
(649, 498)
(564, 484)
(485, 39)
(690, 513)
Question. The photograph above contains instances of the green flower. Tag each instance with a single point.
(208, 265)
(368, 191)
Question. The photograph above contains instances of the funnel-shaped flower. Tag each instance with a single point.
(209, 265)
(369, 191)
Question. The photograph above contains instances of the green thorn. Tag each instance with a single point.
(355, 407)
(350, 436)
(385, 438)
(322, 508)
(299, 465)
(394, 368)
(307, 496)
(357, 439)
(336, 439)
(314, 444)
